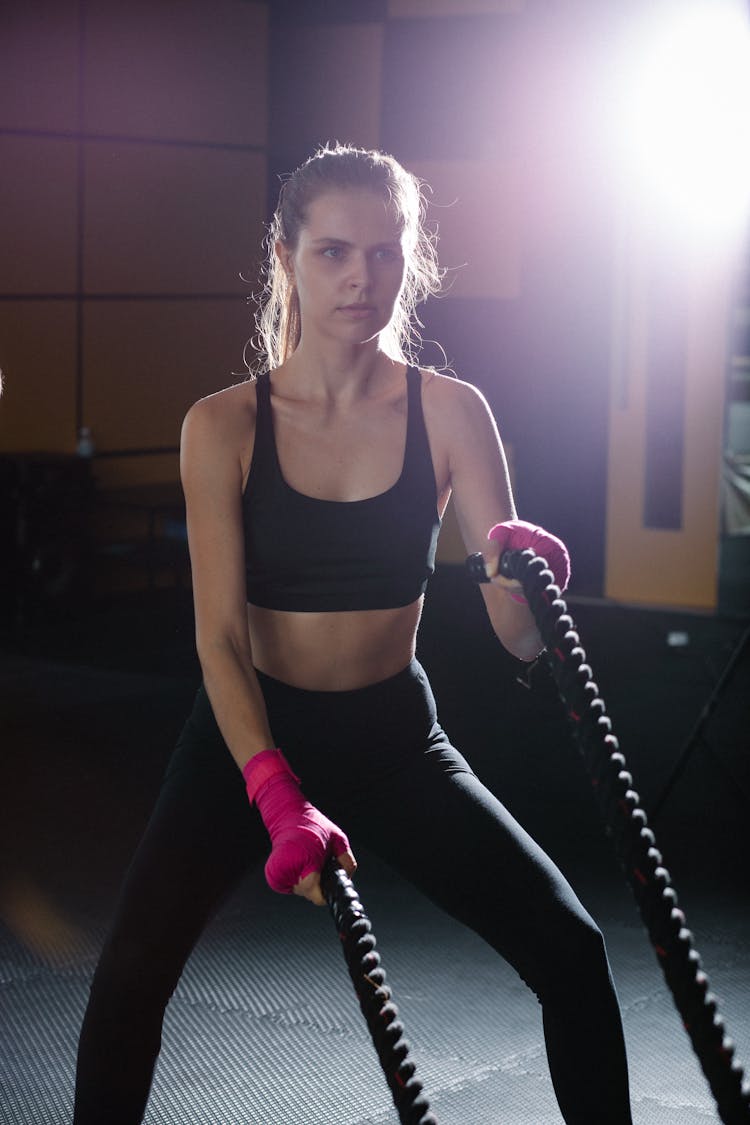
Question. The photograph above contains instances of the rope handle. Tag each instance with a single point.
(374, 995)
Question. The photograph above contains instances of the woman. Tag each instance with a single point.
(314, 496)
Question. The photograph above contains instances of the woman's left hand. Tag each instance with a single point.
(518, 535)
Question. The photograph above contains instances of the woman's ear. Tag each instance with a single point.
(284, 254)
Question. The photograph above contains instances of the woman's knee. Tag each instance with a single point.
(133, 973)
(583, 944)
(574, 961)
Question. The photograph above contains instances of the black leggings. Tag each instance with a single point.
(376, 761)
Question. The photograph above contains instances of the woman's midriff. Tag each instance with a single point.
(339, 651)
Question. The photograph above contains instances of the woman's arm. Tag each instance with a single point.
(482, 497)
(214, 433)
(211, 470)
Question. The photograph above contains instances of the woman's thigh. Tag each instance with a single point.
(450, 836)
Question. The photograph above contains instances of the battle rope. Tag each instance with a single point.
(374, 995)
(627, 825)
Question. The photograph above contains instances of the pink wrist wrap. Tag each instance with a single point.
(301, 837)
(517, 535)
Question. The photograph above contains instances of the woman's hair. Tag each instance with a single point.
(335, 168)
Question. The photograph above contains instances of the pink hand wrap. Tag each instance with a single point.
(301, 837)
(517, 535)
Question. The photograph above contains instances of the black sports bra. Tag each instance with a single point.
(309, 555)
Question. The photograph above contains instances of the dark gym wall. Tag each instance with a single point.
(133, 141)
(141, 146)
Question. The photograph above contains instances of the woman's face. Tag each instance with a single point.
(348, 266)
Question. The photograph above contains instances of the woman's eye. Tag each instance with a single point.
(332, 252)
(387, 255)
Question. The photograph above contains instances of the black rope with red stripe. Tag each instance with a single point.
(627, 825)
(374, 995)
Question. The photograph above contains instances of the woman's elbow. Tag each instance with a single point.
(528, 649)
(517, 632)
(217, 648)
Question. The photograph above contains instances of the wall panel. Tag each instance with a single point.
(326, 87)
(38, 361)
(449, 88)
(38, 205)
(433, 9)
(181, 69)
(482, 258)
(673, 565)
(39, 51)
(173, 220)
(125, 471)
(147, 361)
(132, 147)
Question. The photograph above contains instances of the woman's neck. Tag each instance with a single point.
(339, 371)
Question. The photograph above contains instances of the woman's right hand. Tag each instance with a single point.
(302, 837)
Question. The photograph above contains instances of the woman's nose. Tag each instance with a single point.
(359, 275)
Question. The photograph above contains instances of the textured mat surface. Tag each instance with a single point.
(264, 1028)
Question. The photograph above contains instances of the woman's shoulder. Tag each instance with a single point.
(223, 421)
(224, 410)
(449, 398)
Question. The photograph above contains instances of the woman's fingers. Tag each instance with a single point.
(309, 887)
(347, 861)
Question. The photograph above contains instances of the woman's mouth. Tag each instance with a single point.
(357, 312)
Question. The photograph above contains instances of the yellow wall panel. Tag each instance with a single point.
(37, 215)
(651, 565)
(147, 361)
(478, 209)
(187, 70)
(37, 357)
(166, 219)
(38, 64)
(337, 80)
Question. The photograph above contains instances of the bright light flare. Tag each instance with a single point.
(686, 114)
